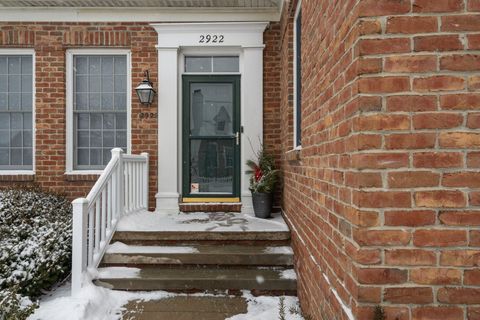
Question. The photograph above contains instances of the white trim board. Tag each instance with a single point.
(295, 80)
(16, 51)
(137, 14)
(69, 102)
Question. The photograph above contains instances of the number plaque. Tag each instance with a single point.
(211, 38)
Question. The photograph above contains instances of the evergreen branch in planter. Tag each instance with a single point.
(264, 175)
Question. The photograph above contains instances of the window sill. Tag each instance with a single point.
(294, 156)
(90, 175)
(17, 176)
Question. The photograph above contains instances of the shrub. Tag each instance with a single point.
(14, 306)
(35, 237)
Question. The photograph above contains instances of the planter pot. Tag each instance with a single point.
(262, 204)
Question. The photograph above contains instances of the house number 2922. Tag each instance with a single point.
(211, 38)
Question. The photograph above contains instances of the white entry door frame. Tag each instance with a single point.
(246, 38)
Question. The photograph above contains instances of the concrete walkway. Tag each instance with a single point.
(186, 308)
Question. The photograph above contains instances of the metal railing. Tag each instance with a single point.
(122, 188)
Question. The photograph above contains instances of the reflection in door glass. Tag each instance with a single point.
(211, 111)
(211, 166)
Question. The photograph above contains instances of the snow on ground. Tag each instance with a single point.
(200, 221)
(92, 303)
(97, 303)
(119, 247)
(268, 308)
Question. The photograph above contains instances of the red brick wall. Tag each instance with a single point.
(271, 102)
(318, 192)
(50, 41)
(384, 196)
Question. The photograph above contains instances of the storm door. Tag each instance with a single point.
(211, 137)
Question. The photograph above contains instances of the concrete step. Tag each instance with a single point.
(198, 279)
(120, 254)
(186, 308)
(206, 237)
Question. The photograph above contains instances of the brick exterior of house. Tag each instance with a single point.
(383, 197)
(50, 41)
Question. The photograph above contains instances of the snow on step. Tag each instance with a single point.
(119, 247)
(279, 250)
(201, 222)
(118, 272)
(288, 274)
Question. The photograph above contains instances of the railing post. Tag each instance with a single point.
(145, 180)
(118, 152)
(79, 242)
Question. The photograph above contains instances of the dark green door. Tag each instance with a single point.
(211, 137)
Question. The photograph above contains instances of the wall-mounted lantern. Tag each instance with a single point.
(145, 90)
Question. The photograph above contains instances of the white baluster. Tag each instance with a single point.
(130, 186)
(109, 203)
(91, 228)
(127, 188)
(134, 189)
(137, 185)
(145, 180)
(103, 199)
(114, 194)
(97, 225)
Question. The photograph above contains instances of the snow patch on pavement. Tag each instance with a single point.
(98, 303)
(267, 308)
(92, 303)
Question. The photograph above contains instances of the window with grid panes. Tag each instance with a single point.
(16, 100)
(99, 109)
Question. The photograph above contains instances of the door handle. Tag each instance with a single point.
(237, 138)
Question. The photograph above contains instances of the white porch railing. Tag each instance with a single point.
(122, 188)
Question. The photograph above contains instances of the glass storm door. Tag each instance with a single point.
(211, 137)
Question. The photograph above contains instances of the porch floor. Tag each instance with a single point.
(145, 221)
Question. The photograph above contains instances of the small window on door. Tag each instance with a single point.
(209, 64)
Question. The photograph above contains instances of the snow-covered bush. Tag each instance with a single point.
(35, 240)
(14, 306)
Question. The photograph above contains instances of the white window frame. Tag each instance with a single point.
(69, 102)
(295, 80)
(24, 52)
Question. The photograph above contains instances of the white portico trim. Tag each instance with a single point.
(244, 37)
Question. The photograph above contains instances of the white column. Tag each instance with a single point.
(168, 146)
(79, 243)
(252, 115)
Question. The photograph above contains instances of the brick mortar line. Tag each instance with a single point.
(412, 53)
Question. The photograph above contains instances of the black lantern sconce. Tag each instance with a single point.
(145, 91)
